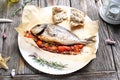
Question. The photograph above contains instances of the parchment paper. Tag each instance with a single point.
(34, 15)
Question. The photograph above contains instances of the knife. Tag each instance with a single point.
(2, 20)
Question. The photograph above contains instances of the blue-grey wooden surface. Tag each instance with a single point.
(105, 67)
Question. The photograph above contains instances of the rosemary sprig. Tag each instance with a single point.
(21, 8)
(51, 64)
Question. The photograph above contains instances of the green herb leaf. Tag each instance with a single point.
(21, 8)
(51, 64)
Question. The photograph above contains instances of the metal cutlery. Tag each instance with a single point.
(2, 20)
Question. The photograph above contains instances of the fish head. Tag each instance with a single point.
(38, 29)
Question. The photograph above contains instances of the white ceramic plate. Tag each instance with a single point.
(45, 69)
(26, 49)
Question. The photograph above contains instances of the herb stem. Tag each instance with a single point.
(51, 64)
(21, 8)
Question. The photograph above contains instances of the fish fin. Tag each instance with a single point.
(91, 39)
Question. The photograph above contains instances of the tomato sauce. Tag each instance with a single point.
(56, 48)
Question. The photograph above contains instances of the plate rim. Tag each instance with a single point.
(23, 55)
(21, 51)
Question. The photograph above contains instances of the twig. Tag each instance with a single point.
(44, 62)
(51, 64)
(21, 8)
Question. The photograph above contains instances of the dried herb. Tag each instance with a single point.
(51, 64)
(44, 62)
(21, 8)
(110, 41)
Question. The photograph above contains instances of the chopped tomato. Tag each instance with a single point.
(76, 50)
(72, 48)
(46, 45)
(53, 48)
(67, 48)
(81, 46)
(28, 35)
(76, 47)
(61, 48)
(39, 43)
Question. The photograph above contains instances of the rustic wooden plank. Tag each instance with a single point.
(1, 39)
(62, 2)
(118, 75)
(33, 2)
(3, 10)
(83, 76)
(24, 67)
(104, 60)
(45, 3)
(81, 5)
(2, 4)
(114, 31)
(10, 46)
(92, 9)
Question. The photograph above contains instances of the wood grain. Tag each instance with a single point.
(103, 50)
(105, 67)
(118, 74)
(10, 46)
(45, 3)
(24, 67)
(84, 76)
(3, 4)
(114, 32)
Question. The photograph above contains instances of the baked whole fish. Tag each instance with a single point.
(57, 34)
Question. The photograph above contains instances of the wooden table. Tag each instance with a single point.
(105, 67)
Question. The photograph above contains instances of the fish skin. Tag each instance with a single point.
(57, 34)
(38, 28)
